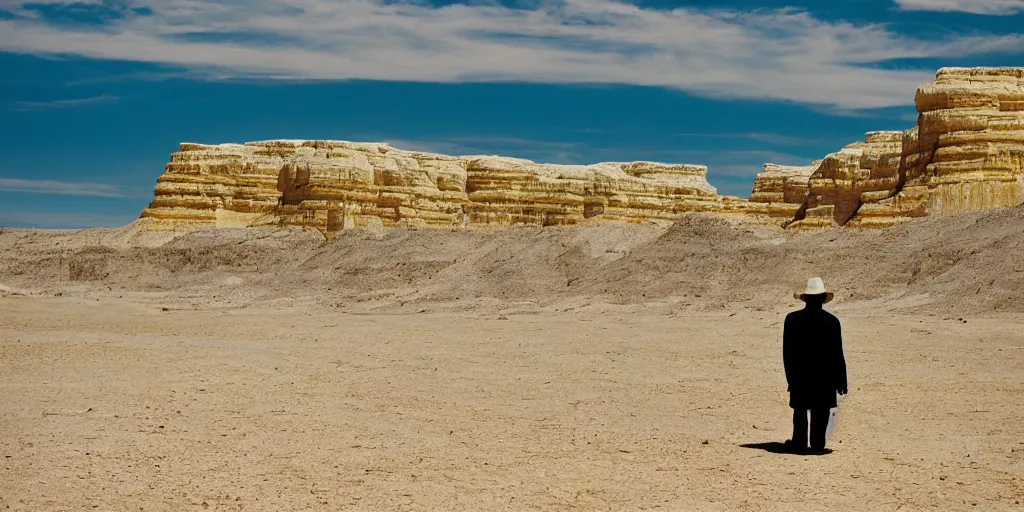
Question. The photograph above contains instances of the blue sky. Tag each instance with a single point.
(98, 93)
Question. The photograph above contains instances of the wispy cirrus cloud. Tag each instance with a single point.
(769, 138)
(986, 7)
(64, 103)
(541, 151)
(62, 220)
(62, 188)
(778, 55)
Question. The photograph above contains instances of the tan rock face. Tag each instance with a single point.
(225, 185)
(966, 153)
(843, 181)
(780, 191)
(969, 152)
(333, 185)
(506, 191)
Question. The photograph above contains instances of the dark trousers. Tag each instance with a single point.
(819, 424)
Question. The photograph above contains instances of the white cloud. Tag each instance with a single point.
(61, 188)
(989, 7)
(68, 103)
(768, 138)
(62, 220)
(782, 55)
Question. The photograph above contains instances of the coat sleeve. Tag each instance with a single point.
(839, 359)
(788, 345)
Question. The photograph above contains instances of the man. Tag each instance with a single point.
(812, 352)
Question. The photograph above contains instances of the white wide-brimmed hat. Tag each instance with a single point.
(815, 286)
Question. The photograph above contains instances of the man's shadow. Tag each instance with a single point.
(770, 447)
(782, 448)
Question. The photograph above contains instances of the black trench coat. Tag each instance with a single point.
(812, 352)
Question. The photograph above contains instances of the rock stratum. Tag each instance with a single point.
(966, 153)
(334, 185)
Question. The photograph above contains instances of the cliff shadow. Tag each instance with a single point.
(291, 182)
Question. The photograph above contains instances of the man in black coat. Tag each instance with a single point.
(812, 352)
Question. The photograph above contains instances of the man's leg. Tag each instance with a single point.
(819, 425)
(799, 429)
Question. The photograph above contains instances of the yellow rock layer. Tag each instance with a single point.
(843, 180)
(334, 185)
(966, 153)
(780, 191)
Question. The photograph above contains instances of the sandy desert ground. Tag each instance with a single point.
(118, 406)
(611, 368)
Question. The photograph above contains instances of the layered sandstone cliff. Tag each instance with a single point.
(845, 180)
(507, 191)
(967, 153)
(780, 191)
(334, 185)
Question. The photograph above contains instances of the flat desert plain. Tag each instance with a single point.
(118, 404)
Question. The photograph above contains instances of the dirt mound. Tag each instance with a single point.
(962, 264)
(966, 263)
